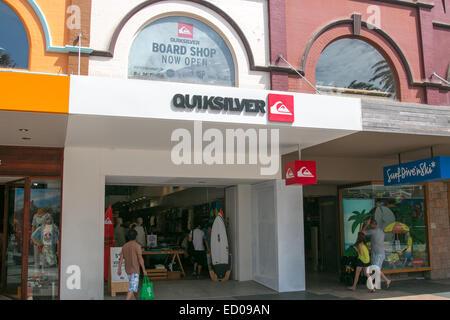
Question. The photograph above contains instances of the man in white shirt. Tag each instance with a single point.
(197, 236)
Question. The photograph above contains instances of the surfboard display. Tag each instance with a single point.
(219, 247)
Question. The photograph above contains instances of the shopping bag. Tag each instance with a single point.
(147, 290)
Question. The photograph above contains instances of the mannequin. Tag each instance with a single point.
(38, 221)
(46, 238)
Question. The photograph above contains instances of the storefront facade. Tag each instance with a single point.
(342, 51)
(158, 77)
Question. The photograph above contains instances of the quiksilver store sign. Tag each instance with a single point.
(218, 103)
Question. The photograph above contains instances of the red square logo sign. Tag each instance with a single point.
(185, 30)
(301, 173)
(281, 107)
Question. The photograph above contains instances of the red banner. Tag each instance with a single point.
(301, 172)
(109, 239)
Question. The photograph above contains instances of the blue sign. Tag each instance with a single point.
(437, 168)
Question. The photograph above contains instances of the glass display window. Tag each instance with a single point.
(400, 212)
(181, 49)
(43, 253)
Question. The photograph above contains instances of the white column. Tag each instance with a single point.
(239, 210)
(278, 237)
(291, 252)
(82, 233)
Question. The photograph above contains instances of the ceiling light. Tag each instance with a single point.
(26, 138)
(24, 130)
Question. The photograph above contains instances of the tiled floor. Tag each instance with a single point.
(319, 287)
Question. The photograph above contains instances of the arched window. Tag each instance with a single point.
(14, 49)
(352, 66)
(181, 49)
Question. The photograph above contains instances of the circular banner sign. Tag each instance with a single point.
(181, 49)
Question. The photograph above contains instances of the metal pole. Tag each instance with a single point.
(79, 53)
(315, 89)
(440, 78)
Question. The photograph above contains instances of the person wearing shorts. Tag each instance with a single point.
(197, 236)
(132, 253)
(363, 261)
(377, 254)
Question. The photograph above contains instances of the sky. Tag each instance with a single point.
(346, 60)
(13, 37)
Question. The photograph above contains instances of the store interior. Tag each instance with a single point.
(167, 215)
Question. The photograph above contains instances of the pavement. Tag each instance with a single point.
(319, 287)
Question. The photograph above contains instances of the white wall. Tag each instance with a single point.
(264, 235)
(243, 239)
(107, 14)
(350, 169)
(82, 229)
(278, 244)
(231, 213)
(291, 251)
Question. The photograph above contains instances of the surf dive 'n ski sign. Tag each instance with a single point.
(431, 169)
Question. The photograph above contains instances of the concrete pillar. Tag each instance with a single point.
(238, 204)
(278, 237)
(438, 209)
(82, 228)
(290, 234)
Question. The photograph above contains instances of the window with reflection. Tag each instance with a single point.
(352, 66)
(43, 253)
(400, 212)
(181, 49)
(14, 48)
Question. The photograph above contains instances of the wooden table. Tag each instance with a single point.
(174, 253)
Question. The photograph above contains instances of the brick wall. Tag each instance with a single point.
(438, 210)
(278, 45)
(85, 6)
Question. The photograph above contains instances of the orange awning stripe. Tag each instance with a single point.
(23, 91)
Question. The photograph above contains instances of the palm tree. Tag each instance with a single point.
(383, 73)
(361, 85)
(6, 61)
(359, 218)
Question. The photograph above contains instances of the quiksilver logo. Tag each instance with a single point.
(279, 108)
(304, 173)
(289, 174)
(108, 221)
(184, 30)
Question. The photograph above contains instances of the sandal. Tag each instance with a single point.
(388, 283)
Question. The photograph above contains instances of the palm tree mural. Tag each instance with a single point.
(359, 219)
(383, 73)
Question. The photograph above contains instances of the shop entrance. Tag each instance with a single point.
(12, 244)
(164, 216)
(29, 242)
(321, 223)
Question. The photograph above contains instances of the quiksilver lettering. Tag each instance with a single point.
(218, 103)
